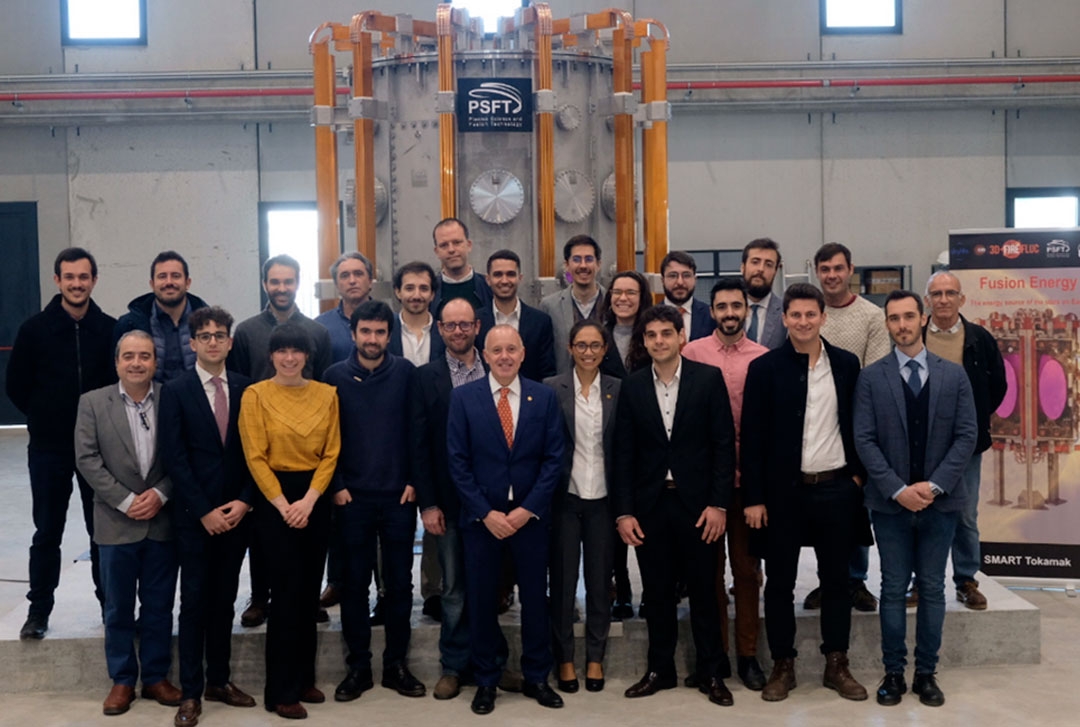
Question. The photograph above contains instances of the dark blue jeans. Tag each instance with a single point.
(364, 520)
(454, 633)
(50, 488)
(146, 569)
(913, 542)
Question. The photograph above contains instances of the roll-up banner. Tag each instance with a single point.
(1021, 285)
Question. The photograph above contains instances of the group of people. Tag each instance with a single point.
(530, 441)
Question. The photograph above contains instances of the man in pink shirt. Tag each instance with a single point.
(731, 351)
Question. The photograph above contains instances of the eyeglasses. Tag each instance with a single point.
(578, 259)
(452, 326)
(220, 337)
(594, 346)
(672, 275)
(628, 293)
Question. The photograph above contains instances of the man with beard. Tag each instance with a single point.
(415, 286)
(163, 313)
(679, 273)
(353, 275)
(760, 263)
(504, 276)
(731, 351)
(583, 299)
(377, 503)
(251, 357)
(60, 353)
(458, 278)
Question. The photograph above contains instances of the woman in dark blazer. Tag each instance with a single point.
(581, 513)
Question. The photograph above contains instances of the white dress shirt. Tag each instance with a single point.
(587, 469)
(667, 396)
(143, 424)
(416, 348)
(586, 308)
(208, 385)
(513, 320)
(822, 445)
(514, 397)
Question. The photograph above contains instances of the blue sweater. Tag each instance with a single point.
(374, 406)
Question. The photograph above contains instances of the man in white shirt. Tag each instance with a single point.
(415, 338)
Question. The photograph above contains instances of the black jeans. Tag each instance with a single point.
(824, 515)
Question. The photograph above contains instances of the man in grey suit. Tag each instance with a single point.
(583, 299)
(915, 431)
(760, 263)
(116, 451)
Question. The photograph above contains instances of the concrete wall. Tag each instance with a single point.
(889, 184)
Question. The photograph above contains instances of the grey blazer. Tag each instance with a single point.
(564, 392)
(881, 432)
(773, 332)
(560, 306)
(105, 455)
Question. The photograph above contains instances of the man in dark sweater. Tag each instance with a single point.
(371, 488)
(457, 278)
(59, 354)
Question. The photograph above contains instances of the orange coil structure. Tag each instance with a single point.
(326, 183)
(447, 144)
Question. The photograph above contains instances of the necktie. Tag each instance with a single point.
(506, 416)
(221, 406)
(752, 331)
(914, 381)
(682, 310)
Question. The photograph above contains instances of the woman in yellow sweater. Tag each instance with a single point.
(291, 435)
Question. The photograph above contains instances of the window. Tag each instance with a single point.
(103, 22)
(1028, 207)
(860, 16)
(489, 10)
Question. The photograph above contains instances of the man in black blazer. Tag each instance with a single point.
(534, 325)
(801, 481)
(674, 476)
(415, 286)
(679, 273)
(201, 447)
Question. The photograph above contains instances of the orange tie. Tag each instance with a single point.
(506, 416)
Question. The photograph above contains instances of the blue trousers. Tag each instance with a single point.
(913, 542)
(146, 569)
(965, 545)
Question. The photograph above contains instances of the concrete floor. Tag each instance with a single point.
(1043, 693)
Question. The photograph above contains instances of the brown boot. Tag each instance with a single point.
(781, 681)
(839, 678)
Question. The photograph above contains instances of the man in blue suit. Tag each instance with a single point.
(679, 273)
(915, 430)
(504, 276)
(200, 445)
(505, 447)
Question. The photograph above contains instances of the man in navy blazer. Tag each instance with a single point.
(534, 325)
(200, 445)
(765, 319)
(505, 448)
(679, 273)
(915, 430)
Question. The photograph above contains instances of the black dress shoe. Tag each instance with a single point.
(377, 617)
(570, 686)
(691, 681)
(484, 700)
(926, 686)
(621, 611)
(544, 695)
(433, 608)
(255, 614)
(401, 680)
(594, 685)
(750, 673)
(650, 684)
(891, 689)
(35, 627)
(355, 683)
(321, 616)
(718, 692)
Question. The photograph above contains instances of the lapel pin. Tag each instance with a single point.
(528, 398)
(609, 396)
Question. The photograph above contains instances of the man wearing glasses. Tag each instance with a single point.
(679, 272)
(951, 336)
(583, 299)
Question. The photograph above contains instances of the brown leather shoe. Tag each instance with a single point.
(255, 614)
(650, 684)
(188, 714)
(970, 595)
(312, 695)
(717, 691)
(781, 681)
(119, 700)
(230, 694)
(838, 677)
(291, 711)
(448, 687)
(330, 596)
(163, 693)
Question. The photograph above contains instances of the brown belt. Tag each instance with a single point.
(669, 484)
(816, 478)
